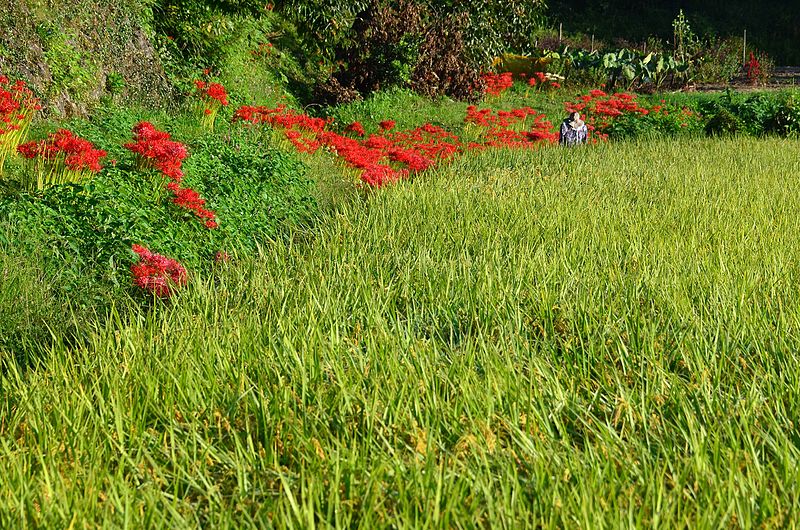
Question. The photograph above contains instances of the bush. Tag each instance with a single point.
(443, 68)
(385, 53)
(722, 123)
(720, 61)
(84, 234)
(403, 44)
(786, 120)
(754, 114)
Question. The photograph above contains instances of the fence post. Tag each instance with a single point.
(592, 50)
(744, 49)
(560, 28)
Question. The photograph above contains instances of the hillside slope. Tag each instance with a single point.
(76, 52)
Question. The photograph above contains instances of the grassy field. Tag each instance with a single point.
(593, 338)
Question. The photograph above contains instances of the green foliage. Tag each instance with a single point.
(684, 39)
(497, 26)
(115, 83)
(626, 67)
(723, 122)
(200, 30)
(754, 114)
(491, 27)
(324, 24)
(258, 191)
(401, 44)
(32, 310)
(82, 235)
(719, 61)
(675, 122)
(71, 69)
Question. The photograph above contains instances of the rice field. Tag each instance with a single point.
(602, 337)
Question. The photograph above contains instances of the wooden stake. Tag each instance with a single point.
(744, 49)
(560, 28)
(592, 51)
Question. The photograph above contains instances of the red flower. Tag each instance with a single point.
(394, 155)
(496, 84)
(156, 273)
(211, 92)
(355, 128)
(191, 200)
(155, 148)
(76, 153)
(217, 92)
(17, 104)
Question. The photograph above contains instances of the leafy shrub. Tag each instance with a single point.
(786, 120)
(720, 60)
(722, 123)
(754, 114)
(85, 233)
(496, 26)
(443, 67)
(490, 28)
(386, 51)
(402, 44)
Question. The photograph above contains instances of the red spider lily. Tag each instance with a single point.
(189, 199)
(155, 149)
(63, 157)
(213, 91)
(392, 156)
(156, 273)
(753, 68)
(280, 117)
(355, 128)
(17, 108)
(508, 128)
(600, 109)
(211, 98)
(496, 84)
(543, 81)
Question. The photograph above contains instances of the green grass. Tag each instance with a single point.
(411, 110)
(598, 337)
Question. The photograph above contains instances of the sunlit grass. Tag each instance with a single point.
(597, 337)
